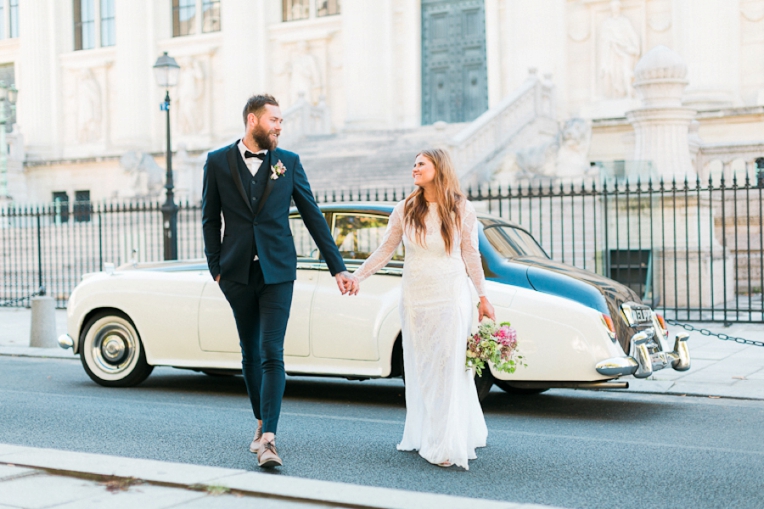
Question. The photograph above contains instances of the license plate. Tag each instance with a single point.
(642, 315)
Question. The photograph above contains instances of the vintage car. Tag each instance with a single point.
(575, 328)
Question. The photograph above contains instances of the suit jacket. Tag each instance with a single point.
(265, 225)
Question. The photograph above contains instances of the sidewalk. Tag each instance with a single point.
(32, 478)
(719, 368)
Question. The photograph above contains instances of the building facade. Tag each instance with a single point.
(88, 123)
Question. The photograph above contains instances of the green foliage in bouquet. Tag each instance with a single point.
(494, 343)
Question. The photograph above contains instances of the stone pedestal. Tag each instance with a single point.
(688, 263)
(661, 124)
(43, 330)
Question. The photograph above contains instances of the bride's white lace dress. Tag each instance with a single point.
(444, 421)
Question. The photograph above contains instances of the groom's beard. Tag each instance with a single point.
(263, 138)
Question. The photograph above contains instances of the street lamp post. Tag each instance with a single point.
(166, 71)
(9, 94)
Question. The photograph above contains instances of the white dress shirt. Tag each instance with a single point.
(253, 163)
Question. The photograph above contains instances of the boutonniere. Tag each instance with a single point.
(277, 170)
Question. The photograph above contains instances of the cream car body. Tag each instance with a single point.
(179, 317)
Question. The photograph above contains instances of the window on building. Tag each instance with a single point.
(60, 207)
(185, 20)
(13, 15)
(211, 16)
(84, 24)
(293, 10)
(8, 76)
(108, 33)
(296, 9)
(81, 208)
(327, 7)
(93, 24)
(183, 17)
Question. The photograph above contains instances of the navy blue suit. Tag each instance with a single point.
(256, 213)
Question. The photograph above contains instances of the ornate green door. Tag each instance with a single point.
(454, 74)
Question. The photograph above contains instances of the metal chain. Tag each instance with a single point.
(722, 336)
(9, 303)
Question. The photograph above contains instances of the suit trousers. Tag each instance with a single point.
(261, 312)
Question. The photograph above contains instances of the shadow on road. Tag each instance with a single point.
(555, 404)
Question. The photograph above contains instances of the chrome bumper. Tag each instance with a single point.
(641, 363)
(65, 341)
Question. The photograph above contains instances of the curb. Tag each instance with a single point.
(42, 353)
(201, 478)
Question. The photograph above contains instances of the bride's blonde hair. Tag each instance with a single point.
(449, 196)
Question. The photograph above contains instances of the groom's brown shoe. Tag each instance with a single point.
(267, 457)
(255, 445)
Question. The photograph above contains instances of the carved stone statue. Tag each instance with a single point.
(190, 94)
(147, 176)
(89, 111)
(618, 50)
(573, 155)
(304, 75)
(566, 155)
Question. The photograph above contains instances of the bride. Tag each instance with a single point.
(438, 227)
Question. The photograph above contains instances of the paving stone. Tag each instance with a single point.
(243, 502)
(40, 491)
(143, 496)
(7, 471)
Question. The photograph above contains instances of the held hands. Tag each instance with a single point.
(485, 310)
(347, 283)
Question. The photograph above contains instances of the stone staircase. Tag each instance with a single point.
(361, 160)
(367, 159)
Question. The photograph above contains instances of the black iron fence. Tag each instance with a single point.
(691, 249)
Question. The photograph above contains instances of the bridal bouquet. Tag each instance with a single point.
(495, 343)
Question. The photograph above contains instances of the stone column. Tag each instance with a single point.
(661, 124)
(37, 111)
(134, 84)
(367, 64)
(245, 58)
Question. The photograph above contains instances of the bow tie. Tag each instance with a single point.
(259, 155)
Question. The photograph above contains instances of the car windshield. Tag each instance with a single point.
(511, 242)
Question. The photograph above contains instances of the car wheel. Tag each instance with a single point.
(484, 384)
(111, 351)
(504, 386)
(220, 372)
(398, 368)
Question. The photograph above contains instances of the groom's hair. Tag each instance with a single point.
(256, 104)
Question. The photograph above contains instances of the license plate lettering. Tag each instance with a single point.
(642, 315)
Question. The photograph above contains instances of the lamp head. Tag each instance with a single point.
(166, 71)
(13, 94)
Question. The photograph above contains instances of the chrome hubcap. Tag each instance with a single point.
(114, 348)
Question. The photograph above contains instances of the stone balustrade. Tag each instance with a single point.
(487, 136)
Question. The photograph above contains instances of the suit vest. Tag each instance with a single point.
(255, 188)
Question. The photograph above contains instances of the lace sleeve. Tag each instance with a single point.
(471, 249)
(384, 253)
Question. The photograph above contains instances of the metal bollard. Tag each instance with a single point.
(43, 330)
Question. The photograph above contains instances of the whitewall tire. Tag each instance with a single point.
(111, 350)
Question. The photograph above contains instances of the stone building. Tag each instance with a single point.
(364, 84)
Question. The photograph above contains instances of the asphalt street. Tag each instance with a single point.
(574, 449)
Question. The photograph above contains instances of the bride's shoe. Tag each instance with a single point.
(445, 464)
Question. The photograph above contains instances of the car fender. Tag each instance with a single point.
(387, 335)
(559, 339)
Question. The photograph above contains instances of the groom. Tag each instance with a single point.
(252, 183)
